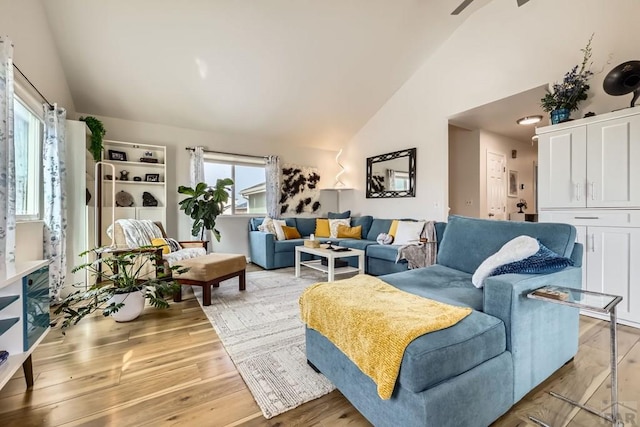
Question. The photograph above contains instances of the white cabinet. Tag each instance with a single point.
(24, 315)
(590, 162)
(611, 240)
(132, 179)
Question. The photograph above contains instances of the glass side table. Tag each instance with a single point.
(595, 302)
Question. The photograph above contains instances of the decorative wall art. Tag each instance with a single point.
(512, 189)
(299, 192)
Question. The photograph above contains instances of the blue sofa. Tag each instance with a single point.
(269, 253)
(473, 372)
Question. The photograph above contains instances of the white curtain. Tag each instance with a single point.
(55, 197)
(197, 166)
(7, 158)
(272, 173)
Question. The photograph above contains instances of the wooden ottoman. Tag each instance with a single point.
(209, 270)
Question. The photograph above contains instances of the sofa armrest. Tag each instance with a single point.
(540, 335)
(262, 249)
(194, 244)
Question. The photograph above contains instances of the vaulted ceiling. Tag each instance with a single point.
(307, 72)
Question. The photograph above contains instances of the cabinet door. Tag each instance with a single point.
(581, 237)
(613, 156)
(562, 165)
(36, 305)
(612, 266)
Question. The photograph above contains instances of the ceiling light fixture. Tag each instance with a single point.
(529, 120)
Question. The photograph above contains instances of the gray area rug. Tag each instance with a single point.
(264, 336)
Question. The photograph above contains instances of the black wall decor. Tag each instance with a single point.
(299, 192)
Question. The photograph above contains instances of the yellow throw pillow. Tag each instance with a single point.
(290, 233)
(160, 242)
(322, 228)
(350, 232)
(394, 228)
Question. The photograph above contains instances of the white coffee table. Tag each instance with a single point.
(330, 256)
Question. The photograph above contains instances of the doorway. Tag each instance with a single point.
(496, 194)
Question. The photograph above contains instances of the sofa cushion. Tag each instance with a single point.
(306, 226)
(365, 221)
(356, 244)
(378, 226)
(478, 239)
(435, 357)
(440, 283)
(287, 245)
(385, 252)
(441, 355)
(339, 215)
(350, 232)
(322, 228)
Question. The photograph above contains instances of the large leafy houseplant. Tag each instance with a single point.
(574, 86)
(97, 134)
(204, 204)
(116, 273)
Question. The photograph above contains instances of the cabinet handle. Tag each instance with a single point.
(29, 282)
(586, 217)
(593, 190)
(577, 190)
(593, 242)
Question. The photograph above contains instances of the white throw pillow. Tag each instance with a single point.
(267, 226)
(408, 232)
(277, 225)
(514, 250)
(333, 226)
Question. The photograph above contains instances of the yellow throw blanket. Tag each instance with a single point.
(373, 322)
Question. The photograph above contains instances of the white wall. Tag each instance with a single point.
(499, 51)
(29, 240)
(464, 171)
(177, 139)
(34, 51)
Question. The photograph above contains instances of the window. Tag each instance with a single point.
(249, 193)
(27, 134)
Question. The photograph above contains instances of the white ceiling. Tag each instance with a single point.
(500, 116)
(304, 72)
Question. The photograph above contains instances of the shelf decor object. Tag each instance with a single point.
(573, 89)
(624, 79)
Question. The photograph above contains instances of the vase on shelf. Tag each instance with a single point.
(560, 115)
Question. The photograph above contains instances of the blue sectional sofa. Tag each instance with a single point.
(269, 253)
(473, 372)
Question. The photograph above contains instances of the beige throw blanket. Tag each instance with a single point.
(372, 322)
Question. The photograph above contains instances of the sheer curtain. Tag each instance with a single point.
(55, 197)
(197, 166)
(272, 173)
(7, 158)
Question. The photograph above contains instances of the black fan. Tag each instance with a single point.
(466, 3)
(624, 79)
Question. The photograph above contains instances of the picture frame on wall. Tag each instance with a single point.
(152, 177)
(512, 184)
(120, 156)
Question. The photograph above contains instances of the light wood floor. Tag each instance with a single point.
(169, 368)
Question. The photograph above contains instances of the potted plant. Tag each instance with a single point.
(566, 95)
(204, 204)
(97, 134)
(122, 286)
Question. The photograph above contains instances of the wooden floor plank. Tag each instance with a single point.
(170, 368)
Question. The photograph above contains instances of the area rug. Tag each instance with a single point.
(264, 336)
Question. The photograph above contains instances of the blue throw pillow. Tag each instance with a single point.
(343, 215)
(542, 262)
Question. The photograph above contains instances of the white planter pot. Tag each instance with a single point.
(133, 306)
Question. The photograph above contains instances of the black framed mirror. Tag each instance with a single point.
(392, 174)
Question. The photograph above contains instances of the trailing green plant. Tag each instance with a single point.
(119, 272)
(97, 134)
(204, 204)
(574, 86)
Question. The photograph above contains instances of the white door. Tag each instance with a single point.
(612, 255)
(496, 186)
(562, 164)
(613, 156)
